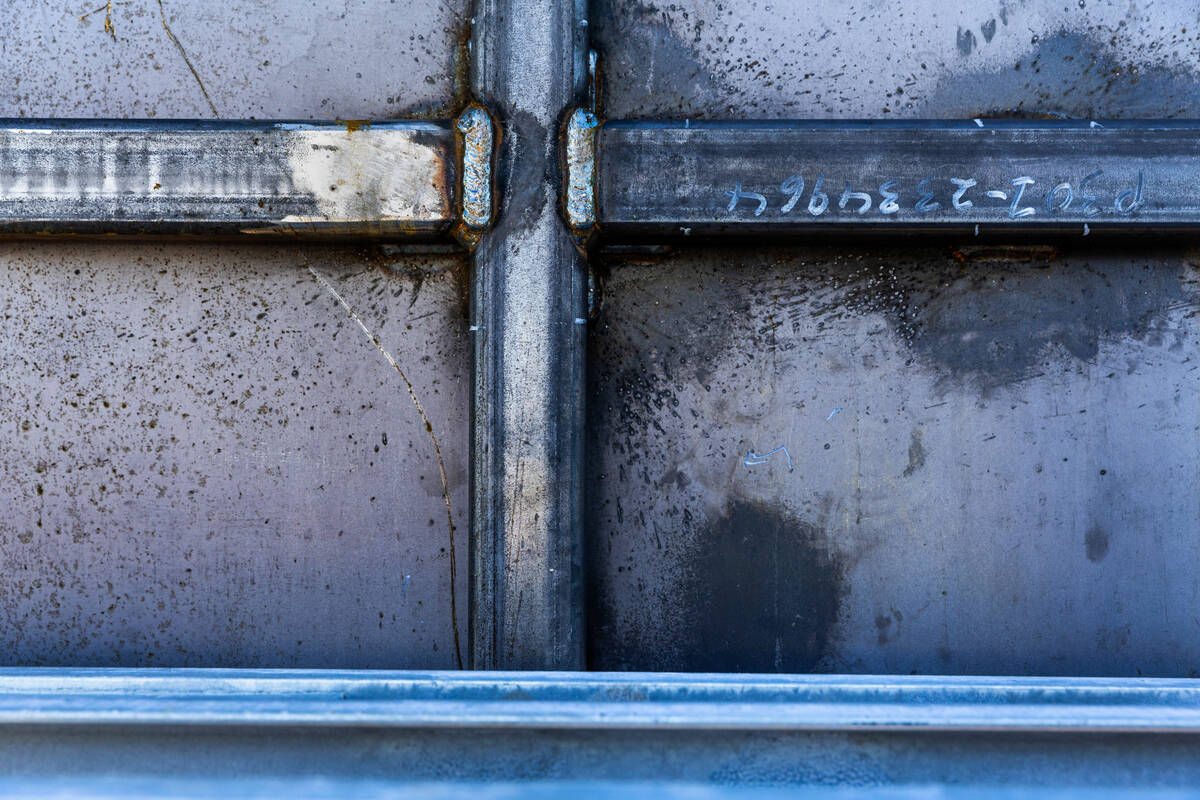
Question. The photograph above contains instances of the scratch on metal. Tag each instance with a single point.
(437, 449)
(162, 12)
(754, 459)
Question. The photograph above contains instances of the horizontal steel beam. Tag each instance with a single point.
(94, 177)
(313, 733)
(677, 179)
(593, 701)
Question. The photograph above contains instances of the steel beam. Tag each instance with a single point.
(669, 180)
(529, 324)
(354, 179)
(593, 701)
(294, 733)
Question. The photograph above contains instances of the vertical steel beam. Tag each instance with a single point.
(529, 325)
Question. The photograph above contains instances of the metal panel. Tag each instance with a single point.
(193, 59)
(208, 461)
(673, 180)
(383, 179)
(528, 318)
(990, 448)
(986, 464)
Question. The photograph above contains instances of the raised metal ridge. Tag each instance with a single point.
(49, 696)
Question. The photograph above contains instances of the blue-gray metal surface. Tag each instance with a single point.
(589, 701)
(529, 331)
(190, 733)
(754, 571)
(208, 462)
(893, 457)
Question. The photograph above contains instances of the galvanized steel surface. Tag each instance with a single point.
(575, 701)
(434, 734)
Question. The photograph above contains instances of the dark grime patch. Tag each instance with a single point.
(997, 321)
(1068, 74)
(763, 594)
(1096, 543)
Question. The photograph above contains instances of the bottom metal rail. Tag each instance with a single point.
(301, 733)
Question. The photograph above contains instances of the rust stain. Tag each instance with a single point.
(353, 125)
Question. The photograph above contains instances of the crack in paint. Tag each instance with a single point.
(179, 46)
(437, 449)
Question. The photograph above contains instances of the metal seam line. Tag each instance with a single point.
(528, 320)
(476, 128)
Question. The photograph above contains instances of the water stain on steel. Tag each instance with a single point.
(988, 29)
(916, 454)
(1096, 543)
(1101, 85)
(677, 77)
(966, 41)
(995, 323)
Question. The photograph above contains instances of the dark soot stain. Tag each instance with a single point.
(763, 596)
(997, 322)
(1096, 543)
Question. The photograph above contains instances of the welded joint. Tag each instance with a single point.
(582, 126)
(477, 144)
